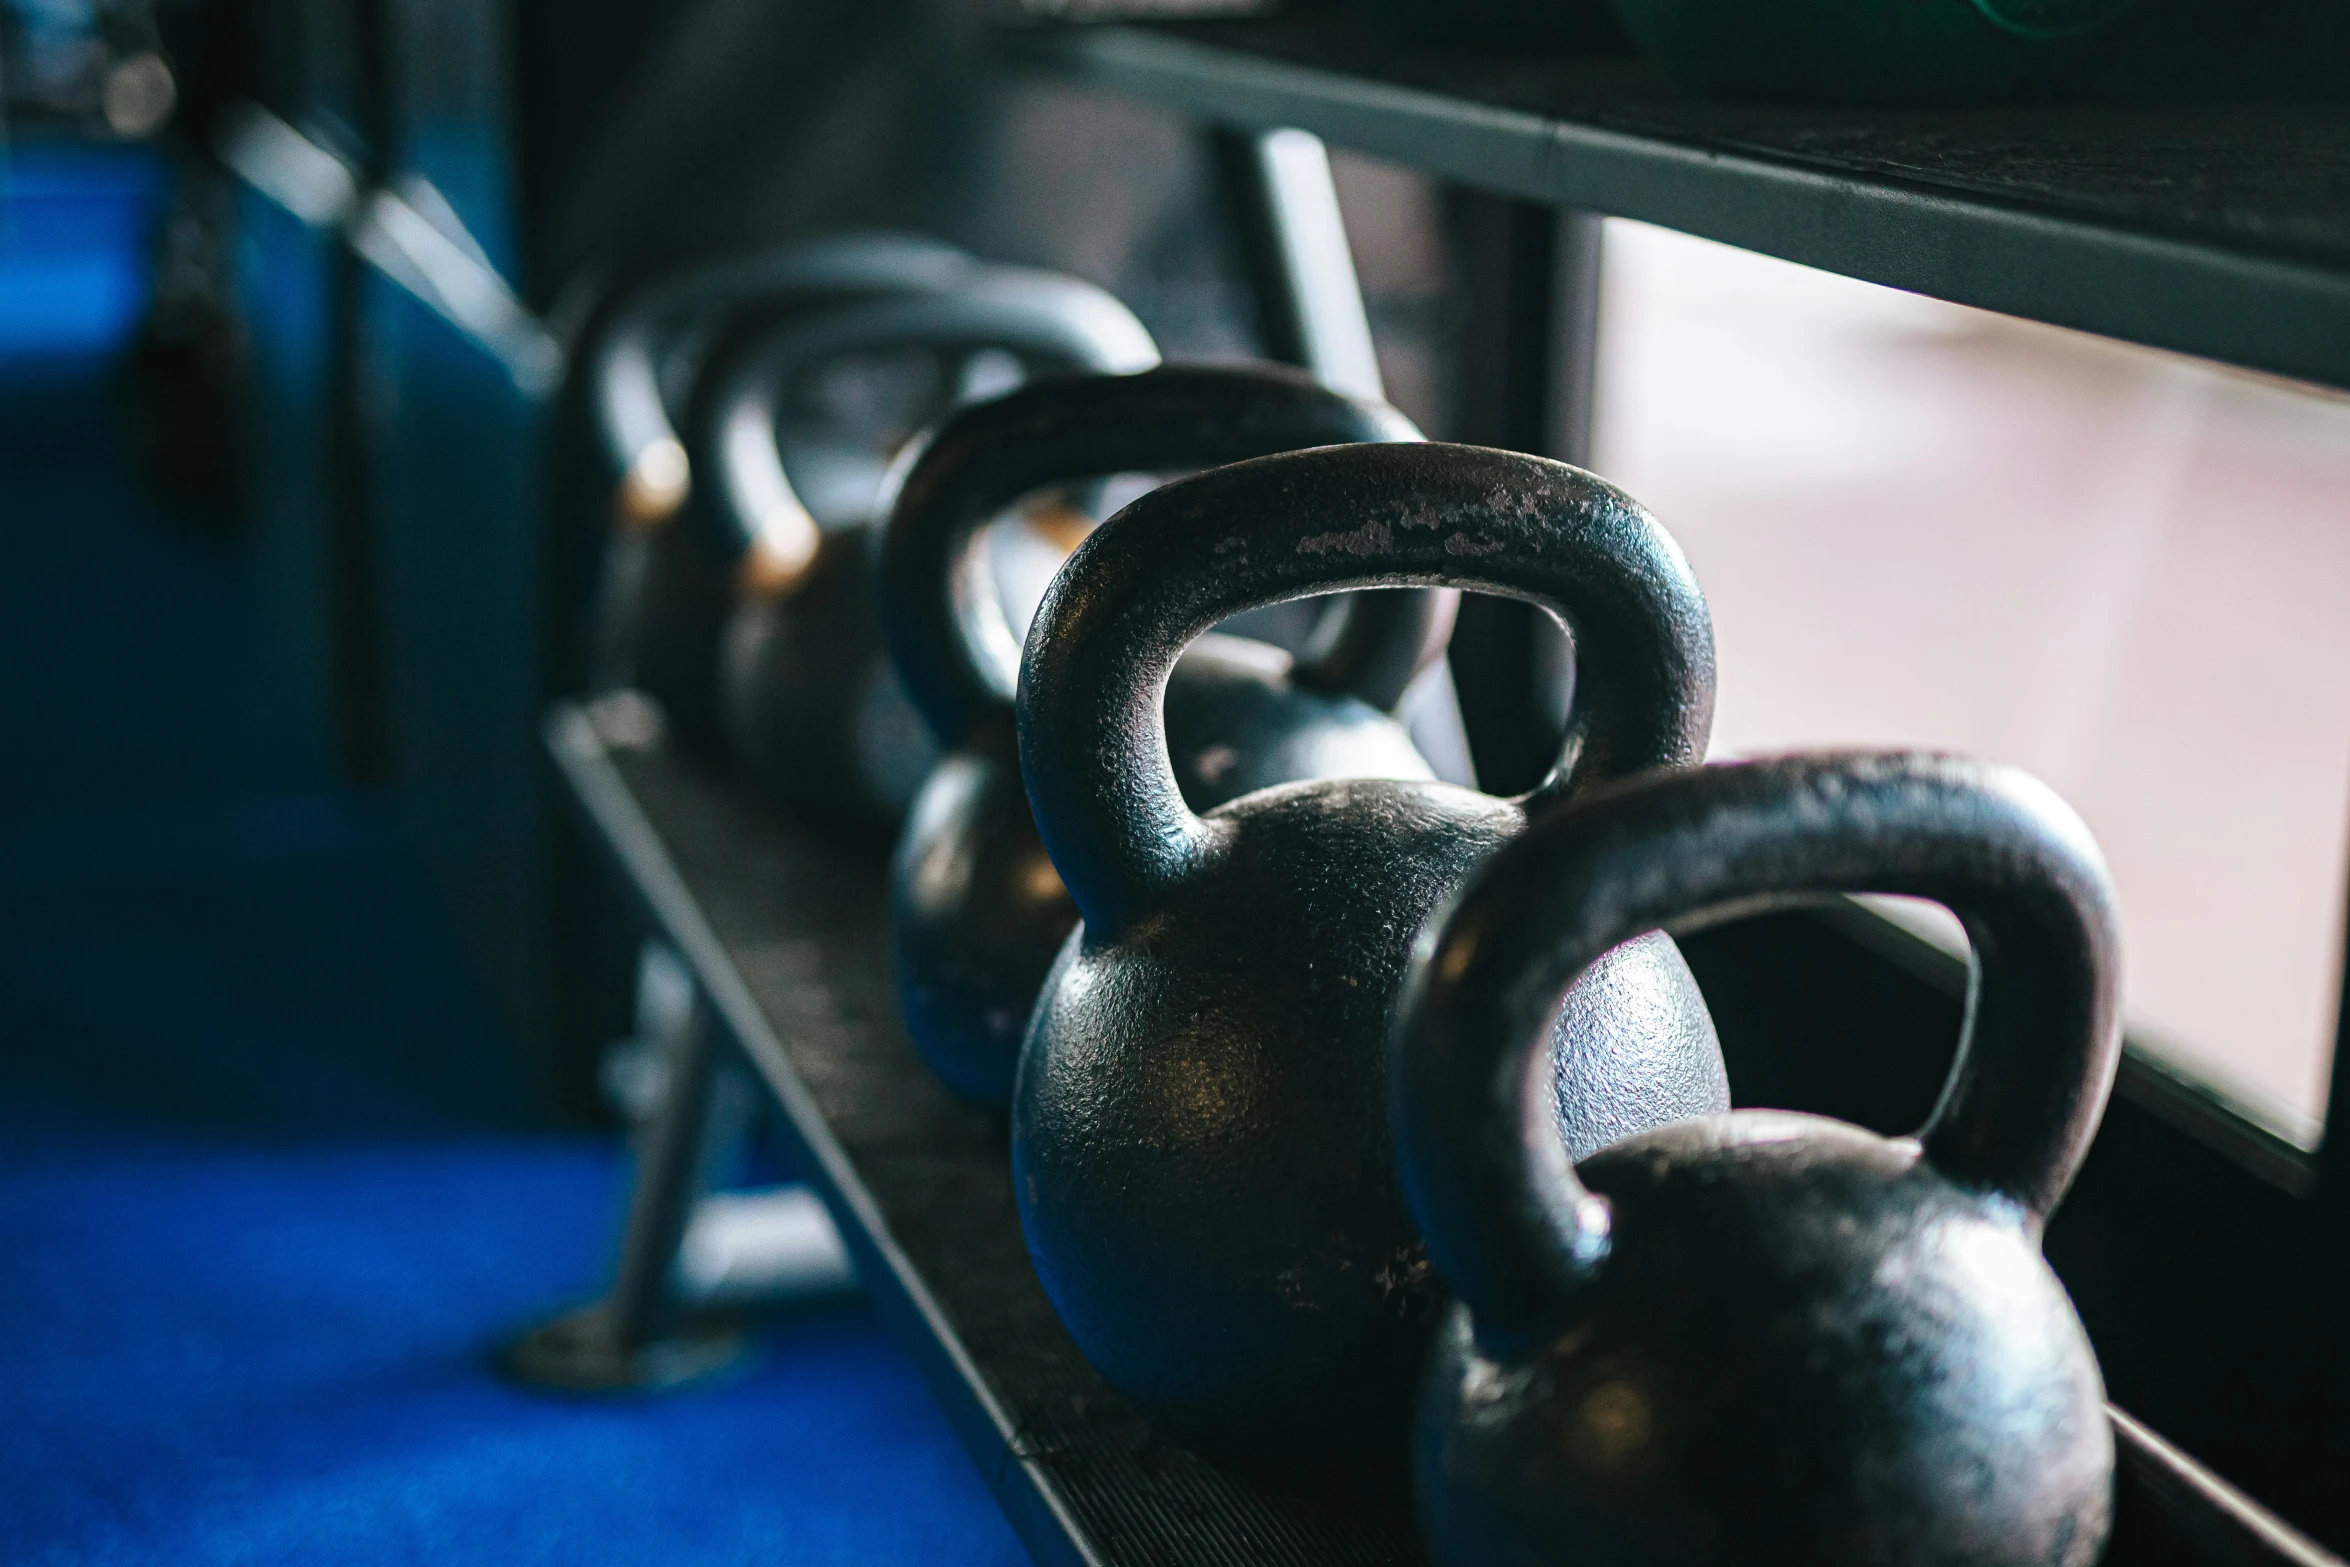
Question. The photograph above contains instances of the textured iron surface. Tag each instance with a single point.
(1768, 1336)
(919, 1185)
(1199, 1126)
(800, 914)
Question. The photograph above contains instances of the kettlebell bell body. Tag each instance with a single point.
(812, 708)
(1763, 1336)
(1199, 1126)
(665, 581)
(977, 912)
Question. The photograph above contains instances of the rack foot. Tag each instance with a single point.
(580, 1352)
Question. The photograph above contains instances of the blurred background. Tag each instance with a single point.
(2120, 569)
(290, 297)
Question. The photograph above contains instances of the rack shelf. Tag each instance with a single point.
(2219, 229)
(782, 926)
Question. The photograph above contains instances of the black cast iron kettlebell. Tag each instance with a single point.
(665, 579)
(1765, 1337)
(977, 913)
(810, 705)
(1199, 1127)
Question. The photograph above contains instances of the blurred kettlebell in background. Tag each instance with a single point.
(811, 708)
(977, 913)
(666, 578)
(1764, 1336)
(1200, 1143)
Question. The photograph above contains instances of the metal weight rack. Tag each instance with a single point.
(2202, 1250)
(782, 929)
(2214, 226)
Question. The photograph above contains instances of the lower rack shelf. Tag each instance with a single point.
(782, 925)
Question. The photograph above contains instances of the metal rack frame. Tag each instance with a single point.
(2125, 220)
(2216, 229)
(781, 925)
(2192, 1227)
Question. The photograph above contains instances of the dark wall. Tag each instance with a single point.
(646, 133)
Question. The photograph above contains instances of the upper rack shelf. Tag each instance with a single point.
(2220, 229)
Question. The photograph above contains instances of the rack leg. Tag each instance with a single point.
(1282, 200)
(1301, 269)
(1529, 276)
(636, 1338)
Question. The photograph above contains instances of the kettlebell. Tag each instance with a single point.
(811, 708)
(664, 582)
(1200, 1143)
(1764, 1337)
(977, 914)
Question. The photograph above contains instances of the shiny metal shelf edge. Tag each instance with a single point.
(2269, 312)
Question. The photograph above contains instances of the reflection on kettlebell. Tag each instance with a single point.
(1200, 1140)
(665, 579)
(977, 912)
(1762, 1336)
(810, 706)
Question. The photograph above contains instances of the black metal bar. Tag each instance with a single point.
(1282, 202)
(2224, 287)
(1284, 210)
(637, 1338)
(2332, 1203)
(1524, 378)
(2169, 1508)
(669, 1178)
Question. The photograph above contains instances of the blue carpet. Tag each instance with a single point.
(266, 1193)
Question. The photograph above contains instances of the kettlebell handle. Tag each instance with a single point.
(947, 630)
(625, 370)
(1067, 323)
(1508, 1223)
(1093, 741)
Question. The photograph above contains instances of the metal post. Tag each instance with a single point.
(1301, 269)
(668, 1181)
(1283, 203)
(635, 1338)
(1525, 372)
(2331, 1200)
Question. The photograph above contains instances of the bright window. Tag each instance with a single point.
(2126, 571)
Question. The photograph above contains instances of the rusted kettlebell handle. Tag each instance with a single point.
(1508, 1223)
(632, 416)
(955, 648)
(1093, 741)
(1062, 321)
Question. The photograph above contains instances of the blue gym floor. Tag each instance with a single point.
(267, 1194)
